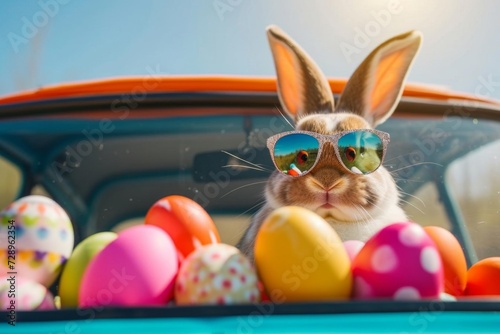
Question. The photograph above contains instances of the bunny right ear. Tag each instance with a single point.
(302, 87)
(374, 90)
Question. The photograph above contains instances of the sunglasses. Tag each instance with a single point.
(295, 153)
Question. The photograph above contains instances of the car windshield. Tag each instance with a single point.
(108, 174)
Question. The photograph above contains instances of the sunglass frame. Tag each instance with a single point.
(322, 140)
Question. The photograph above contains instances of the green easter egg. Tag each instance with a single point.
(74, 269)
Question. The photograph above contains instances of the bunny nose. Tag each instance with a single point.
(326, 186)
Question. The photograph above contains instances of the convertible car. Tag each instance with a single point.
(107, 150)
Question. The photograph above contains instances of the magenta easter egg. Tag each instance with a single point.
(399, 262)
(138, 268)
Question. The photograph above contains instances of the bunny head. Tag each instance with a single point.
(355, 204)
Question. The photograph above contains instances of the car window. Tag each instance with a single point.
(475, 183)
(11, 181)
(457, 160)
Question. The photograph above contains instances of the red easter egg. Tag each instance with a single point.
(452, 255)
(187, 223)
(399, 262)
(483, 278)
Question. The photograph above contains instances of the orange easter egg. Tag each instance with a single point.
(483, 278)
(185, 221)
(453, 258)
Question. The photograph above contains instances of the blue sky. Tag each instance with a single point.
(77, 40)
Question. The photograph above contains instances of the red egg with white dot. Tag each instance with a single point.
(185, 221)
(216, 274)
(400, 262)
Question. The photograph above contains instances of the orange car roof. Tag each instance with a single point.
(165, 84)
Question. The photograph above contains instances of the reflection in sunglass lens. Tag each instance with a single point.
(295, 154)
(361, 151)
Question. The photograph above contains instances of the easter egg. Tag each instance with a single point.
(138, 268)
(299, 257)
(216, 274)
(43, 238)
(353, 247)
(71, 276)
(21, 294)
(399, 262)
(187, 223)
(483, 278)
(453, 258)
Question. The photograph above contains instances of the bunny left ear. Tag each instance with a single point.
(376, 86)
(302, 87)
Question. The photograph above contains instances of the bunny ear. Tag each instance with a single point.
(376, 86)
(302, 87)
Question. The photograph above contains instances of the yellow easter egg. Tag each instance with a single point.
(299, 257)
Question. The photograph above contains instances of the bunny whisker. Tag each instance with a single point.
(284, 117)
(261, 169)
(407, 180)
(365, 215)
(260, 203)
(417, 164)
(375, 205)
(413, 205)
(245, 161)
(413, 196)
(241, 187)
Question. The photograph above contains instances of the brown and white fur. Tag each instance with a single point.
(356, 206)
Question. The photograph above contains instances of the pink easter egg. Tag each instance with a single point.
(353, 247)
(138, 268)
(399, 262)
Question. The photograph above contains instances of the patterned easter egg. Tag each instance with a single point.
(216, 274)
(22, 294)
(42, 241)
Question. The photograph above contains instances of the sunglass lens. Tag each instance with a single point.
(295, 154)
(361, 151)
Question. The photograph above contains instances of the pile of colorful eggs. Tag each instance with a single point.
(299, 257)
(176, 257)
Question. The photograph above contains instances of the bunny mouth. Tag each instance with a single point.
(327, 201)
